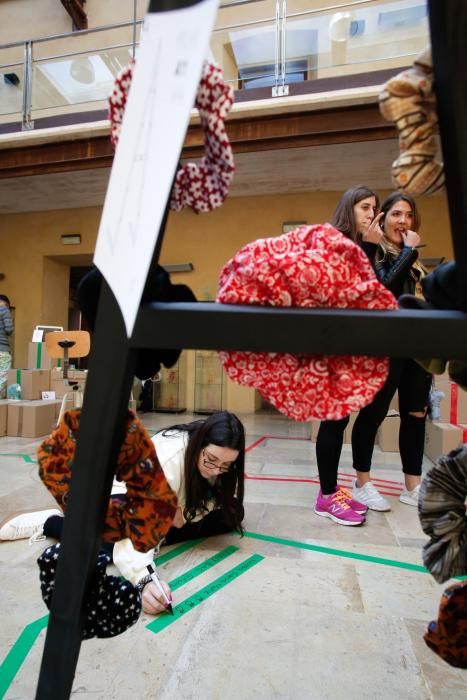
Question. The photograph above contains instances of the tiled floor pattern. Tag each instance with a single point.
(324, 611)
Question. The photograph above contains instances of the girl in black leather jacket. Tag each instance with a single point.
(397, 267)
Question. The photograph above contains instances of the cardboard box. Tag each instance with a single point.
(3, 417)
(39, 359)
(69, 405)
(441, 438)
(61, 387)
(33, 382)
(30, 418)
(387, 436)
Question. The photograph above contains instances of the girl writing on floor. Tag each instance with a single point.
(203, 463)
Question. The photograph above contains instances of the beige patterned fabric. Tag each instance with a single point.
(409, 101)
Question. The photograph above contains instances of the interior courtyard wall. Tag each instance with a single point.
(207, 241)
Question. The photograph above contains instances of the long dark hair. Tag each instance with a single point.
(343, 218)
(224, 430)
(386, 248)
(3, 297)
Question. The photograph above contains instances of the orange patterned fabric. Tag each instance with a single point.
(146, 512)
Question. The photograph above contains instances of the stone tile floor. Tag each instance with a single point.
(310, 617)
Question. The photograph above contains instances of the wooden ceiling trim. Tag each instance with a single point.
(259, 133)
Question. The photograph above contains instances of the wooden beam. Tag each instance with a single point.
(248, 134)
(77, 13)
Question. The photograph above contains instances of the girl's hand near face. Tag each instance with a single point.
(152, 600)
(411, 239)
(372, 233)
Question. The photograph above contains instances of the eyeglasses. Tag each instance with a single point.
(208, 462)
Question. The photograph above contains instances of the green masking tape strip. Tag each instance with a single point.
(201, 568)
(18, 652)
(38, 355)
(18, 376)
(177, 551)
(27, 458)
(203, 594)
(338, 552)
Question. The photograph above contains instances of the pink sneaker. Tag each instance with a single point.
(336, 507)
(355, 505)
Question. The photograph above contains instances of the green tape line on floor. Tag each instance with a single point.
(27, 458)
(201, 568)
(163, 558)
(19, 651)
(200, 596)
(337, 552)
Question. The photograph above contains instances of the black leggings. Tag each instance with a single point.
(413, 384)
(212, 524)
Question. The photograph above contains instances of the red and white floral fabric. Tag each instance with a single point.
(203, 186)
(311, 266)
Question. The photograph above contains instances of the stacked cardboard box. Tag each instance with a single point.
(450, 430)
(39, 359)
(441, 438)
(32, 381)
(31, 419)
(3, 417)
(61, 386)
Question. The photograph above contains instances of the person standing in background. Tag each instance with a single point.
(398, 268)
(6, 329)
(356, 216)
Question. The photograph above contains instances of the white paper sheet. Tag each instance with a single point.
(165, 79)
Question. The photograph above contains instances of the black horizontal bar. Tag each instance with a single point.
(210, 326)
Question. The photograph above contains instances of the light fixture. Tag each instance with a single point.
(179, 267)
(71, 239)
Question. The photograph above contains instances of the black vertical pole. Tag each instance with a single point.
(110, 378)
(448, 21)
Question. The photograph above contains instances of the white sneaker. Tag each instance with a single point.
(410, 498)
(370, 496)
(27, 526)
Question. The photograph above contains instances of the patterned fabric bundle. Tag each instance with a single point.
(311, 266)
(443, 516)
(447, 636)
(408, 100)
(146, 512)
(202, 186)
(111, 605)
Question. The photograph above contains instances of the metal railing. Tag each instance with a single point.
(258, 43)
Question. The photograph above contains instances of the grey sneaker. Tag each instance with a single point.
(410, 498)
(370, 496)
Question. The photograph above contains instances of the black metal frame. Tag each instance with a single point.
(213, 326)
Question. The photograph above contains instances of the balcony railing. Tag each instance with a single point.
(265, 47)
